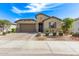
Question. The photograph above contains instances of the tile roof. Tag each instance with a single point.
(25, 20)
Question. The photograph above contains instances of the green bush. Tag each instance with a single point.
(13, 30)
(75, 34)
(71, 33)
(60, 34)
(54, 34)
(47, 33)
(4, 33)
(9, 32)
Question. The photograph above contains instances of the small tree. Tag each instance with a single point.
(67, 24)
(4, 24)
(13, 30)
(47, 32)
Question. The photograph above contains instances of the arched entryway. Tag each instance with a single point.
(40, 27)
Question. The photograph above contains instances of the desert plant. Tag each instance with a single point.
(75, 34)
(4, 33)
(9, 32)
(47, 33)
(71, 33)
(60, 34)
(54, 33)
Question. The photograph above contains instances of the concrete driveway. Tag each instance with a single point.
(24, 46)
(18, 36)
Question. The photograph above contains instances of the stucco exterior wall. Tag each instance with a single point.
(37, 26)
(46, 23)
(75, 26)
(39, 19)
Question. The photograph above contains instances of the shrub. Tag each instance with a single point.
(60, 34)
(54, 34)
(47, 33)
(13, 30)
(71, 33)
(75, 34)
(9, 32)
(4, 33)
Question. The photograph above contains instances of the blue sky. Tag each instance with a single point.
(15, 11)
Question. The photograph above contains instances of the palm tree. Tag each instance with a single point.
(67, 24)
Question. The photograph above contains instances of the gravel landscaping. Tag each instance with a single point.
(33, 37)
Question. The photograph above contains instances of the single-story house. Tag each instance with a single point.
(75, 26)
(41, 23)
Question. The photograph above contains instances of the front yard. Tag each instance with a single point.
(33, 37)
(43, 37)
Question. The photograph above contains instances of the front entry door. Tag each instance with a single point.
(40, 27)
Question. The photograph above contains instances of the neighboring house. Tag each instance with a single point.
(40, 24)
(7, 28)
(12, 26)
(1, 29)
(75, 26)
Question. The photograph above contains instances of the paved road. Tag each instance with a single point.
(25, 46)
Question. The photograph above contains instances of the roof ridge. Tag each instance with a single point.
(25, 20)
(41, 14)
(53, 17)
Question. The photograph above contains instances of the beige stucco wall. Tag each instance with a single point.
(37, 27)
(46, 23)
(75, 27)
(39, 19)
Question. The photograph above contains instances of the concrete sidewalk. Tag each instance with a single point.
(23, 47)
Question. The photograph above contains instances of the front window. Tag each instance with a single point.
(52, 24)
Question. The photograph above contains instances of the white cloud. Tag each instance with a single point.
(16, 10)
(35, 7)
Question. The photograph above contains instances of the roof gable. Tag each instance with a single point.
(41, 17)
(41, 14)
(54, 18)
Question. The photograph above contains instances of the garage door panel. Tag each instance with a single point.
(27, 28)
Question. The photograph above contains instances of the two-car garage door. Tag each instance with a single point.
(27, 28)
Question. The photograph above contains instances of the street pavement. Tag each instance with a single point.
(21, 44)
